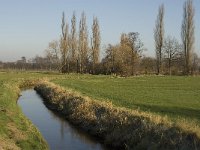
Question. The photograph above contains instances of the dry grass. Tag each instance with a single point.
(15, 133)
(8, 144)
(120, 127)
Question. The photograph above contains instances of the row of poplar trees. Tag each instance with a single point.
(73, 48)
(76, 52)
(187, 35)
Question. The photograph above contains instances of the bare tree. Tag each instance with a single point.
(64, 44)
(187, 34)
(95, 44)
(195, 63)
(131, 50)
(136, 49)
(158, 37)
(171, 50)
(113, 58)
(53, 53)
(148, 65)
(73, 39)
(83, 44)
(124, 58)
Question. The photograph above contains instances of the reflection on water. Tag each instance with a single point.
(59, 134)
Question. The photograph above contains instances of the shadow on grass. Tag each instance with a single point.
(174, 112)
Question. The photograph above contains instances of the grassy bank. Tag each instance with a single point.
(117, 127)
(173, 96)
(16, 131)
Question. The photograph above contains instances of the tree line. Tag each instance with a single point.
(126, 58)
(72, 52)
(76, 52)
(169, 48)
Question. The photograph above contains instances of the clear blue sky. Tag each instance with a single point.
(27, 26)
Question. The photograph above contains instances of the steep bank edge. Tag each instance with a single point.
(117, 127)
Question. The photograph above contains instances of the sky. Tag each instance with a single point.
(27, 26)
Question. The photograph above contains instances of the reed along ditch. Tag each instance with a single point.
(58, 133)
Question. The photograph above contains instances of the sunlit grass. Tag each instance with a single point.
(174, 96)
(16, 131)
(120, 127)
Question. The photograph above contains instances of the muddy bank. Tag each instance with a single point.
(117, 127)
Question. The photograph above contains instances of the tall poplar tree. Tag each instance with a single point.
(159, 37)
(73, 41)
(187, 34)
(64, 44)
(95, 43)
(83, 44)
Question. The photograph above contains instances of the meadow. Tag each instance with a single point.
(175, 96)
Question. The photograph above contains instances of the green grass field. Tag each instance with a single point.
(173, 96)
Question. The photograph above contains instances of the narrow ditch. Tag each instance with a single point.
(58, 133)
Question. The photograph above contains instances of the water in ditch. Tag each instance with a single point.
(58, 133)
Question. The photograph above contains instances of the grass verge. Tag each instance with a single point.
(120, 127)
(16, 131)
